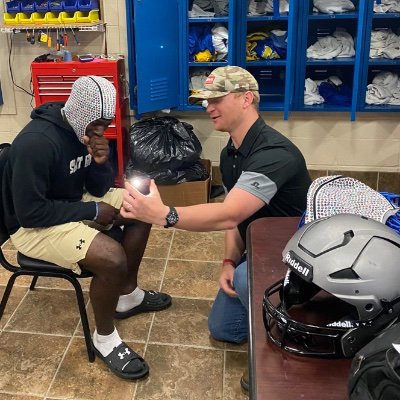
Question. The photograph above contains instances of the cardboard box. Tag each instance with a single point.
(188, 193)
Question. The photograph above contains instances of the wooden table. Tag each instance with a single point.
(274, 373)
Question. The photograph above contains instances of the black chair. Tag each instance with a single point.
(35, 268)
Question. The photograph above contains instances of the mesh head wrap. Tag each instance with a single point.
(91, 98)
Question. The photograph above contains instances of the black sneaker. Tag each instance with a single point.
(244, 381)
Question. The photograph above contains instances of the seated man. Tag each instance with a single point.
(57, 196)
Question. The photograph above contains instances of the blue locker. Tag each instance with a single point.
(191, 67)
(154, 53)
(275, 76)
(377, 65)
(161, 68)
(316, 25)
(158, 82)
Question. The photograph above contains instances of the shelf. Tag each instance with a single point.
(212, 64)
(276, 62)
(208, 19)
(385, 15)
(380, 108)
(349, 15)
(258, 18)
(98, 26)
(326, 108)
(383, 61)
(331, 62)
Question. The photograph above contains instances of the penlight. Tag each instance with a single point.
(139, 180)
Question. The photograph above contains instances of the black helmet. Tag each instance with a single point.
(342, 287)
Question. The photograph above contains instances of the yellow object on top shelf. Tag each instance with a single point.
(39, 18)
(11, 19)
(26, 19)
(87, 16)
(68, 17)
(53, 18)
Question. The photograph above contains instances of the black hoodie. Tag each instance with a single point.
(46, 174)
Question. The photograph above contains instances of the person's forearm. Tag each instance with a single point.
(205, 217)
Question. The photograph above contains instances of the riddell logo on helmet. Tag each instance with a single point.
(299, 266)
(342, 324)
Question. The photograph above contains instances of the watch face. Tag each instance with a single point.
(172, 217)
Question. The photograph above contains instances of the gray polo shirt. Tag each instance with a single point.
(269, 166)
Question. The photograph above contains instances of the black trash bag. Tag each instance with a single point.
(163, 143)
(196, 172)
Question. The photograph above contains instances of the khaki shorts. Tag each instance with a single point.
(65, 244)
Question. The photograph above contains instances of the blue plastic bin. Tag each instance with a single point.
(70, 5)
(56, 5)
(87, 5)
(28, 6)
(42, 6)
(13, 6)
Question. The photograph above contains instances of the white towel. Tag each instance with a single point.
(199, 12)
(384, 43)
(346, 41)
(256, 7)
(325, 48)
(387, 79)
(311, 93)
(266, 6)
(377, 94)
(387, 6)
(220, 41)
(384, 89)
(333, 6)
(197, 79)
(395, 99)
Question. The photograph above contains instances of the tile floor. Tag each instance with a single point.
(43, 354)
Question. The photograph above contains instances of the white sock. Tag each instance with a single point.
(105, 343)
(130, 300)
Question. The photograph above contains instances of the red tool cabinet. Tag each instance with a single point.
(52, 81)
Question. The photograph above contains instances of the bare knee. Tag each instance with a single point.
(106, 258)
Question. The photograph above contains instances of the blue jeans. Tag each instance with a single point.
(228, 320)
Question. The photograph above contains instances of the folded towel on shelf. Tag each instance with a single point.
(266, 6)
(384, 89)
(340, 44)
(311, 93)
(219, 7)
(196, 11)
(325, 48)
(387, 6)
(197, 79)
(220, 41)
(384, 44)
(333, 6)
(346, 41)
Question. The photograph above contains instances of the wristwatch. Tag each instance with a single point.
(172, 218)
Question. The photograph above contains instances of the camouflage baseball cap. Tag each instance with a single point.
(225, 80)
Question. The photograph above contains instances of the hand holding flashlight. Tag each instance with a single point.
(140, 181)
(142, 201)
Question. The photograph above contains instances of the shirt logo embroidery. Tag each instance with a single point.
(256, 185)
